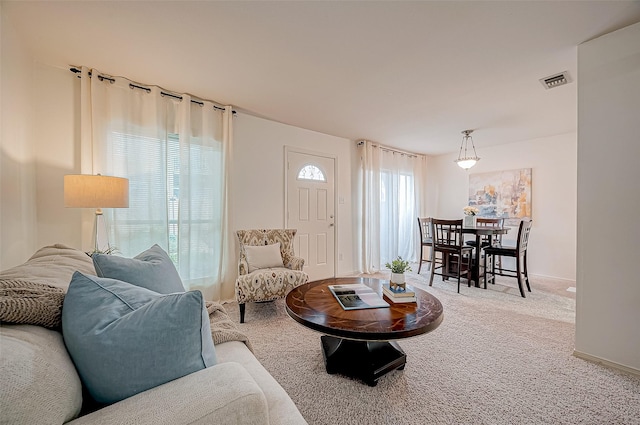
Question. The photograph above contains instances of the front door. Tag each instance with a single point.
(310, 210)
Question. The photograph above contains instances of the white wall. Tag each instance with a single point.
(35, 161)
(17, 147)
(608, 291)
(258, 177)
(58, 153)
(552, 247)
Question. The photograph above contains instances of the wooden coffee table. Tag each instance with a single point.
(359, 343)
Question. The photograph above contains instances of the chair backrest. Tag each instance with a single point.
(523, 235)
(491, 222)
(258, 237)
(447, 233)
(424, 224)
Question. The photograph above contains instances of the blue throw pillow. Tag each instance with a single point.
(151, 269)
(125, 339)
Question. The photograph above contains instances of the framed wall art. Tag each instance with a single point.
(502, 194)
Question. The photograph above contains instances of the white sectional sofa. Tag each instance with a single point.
(40, 384)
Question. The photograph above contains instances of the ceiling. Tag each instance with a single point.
(410, 75)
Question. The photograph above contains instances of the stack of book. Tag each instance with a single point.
(397, 295)
(357, 296)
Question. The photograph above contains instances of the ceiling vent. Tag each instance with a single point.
(556, 80)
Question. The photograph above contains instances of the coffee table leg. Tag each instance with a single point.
(366, 360)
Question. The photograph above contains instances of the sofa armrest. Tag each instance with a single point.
(222, 394)
(295, 263)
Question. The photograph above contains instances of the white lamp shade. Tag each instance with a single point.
(89, 191)
(466, 163)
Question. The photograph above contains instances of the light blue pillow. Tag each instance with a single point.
(125, 339)
(151, 269)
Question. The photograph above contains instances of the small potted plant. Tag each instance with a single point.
(398, 267)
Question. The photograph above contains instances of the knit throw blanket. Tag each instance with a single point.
(31, 303)
(223, 329)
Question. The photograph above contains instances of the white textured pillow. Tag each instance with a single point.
(263, 256)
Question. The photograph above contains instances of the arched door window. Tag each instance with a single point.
(311, 172)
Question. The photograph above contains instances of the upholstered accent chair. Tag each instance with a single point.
(268, 268)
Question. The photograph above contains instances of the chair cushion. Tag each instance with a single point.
(268, 284)
(151, 269)
(263, 256)
(454, 250)
(473, 243)
(501, 250)
(125, 339)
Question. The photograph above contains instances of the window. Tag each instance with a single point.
(172, 151)
(311, 172)
(396, 214)
(154, 190)
(390, 199)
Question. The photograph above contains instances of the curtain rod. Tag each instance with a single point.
(388, 149)
(147, 89)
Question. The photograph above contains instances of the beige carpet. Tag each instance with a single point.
(495, 359)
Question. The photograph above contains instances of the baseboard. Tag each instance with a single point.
(348, 274)
(607, 363)
(544, 276)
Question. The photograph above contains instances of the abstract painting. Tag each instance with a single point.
(502, 194)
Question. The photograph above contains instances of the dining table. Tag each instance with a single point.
(479, 232)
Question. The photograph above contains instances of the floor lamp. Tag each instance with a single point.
(96, 191)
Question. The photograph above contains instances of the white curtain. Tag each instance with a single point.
(174, 153)
(391, 198)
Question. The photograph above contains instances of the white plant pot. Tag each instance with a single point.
(397, 278)
(469, 221)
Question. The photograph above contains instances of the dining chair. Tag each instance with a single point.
(519, 252)
(426, 241)
(484, 240)
(449, 241)
(488, 222)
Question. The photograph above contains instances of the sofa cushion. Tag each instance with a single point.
(32, 292)
(39, 382)
(125, 339)
(282, 410)
(151, 269)
(224, 394)
(263, 256)
(51, 265)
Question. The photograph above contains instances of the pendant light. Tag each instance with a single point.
(466, 161)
